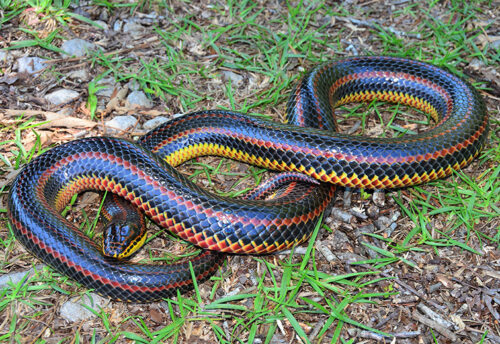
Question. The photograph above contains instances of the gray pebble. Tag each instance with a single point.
(382, 223)
(30, 65)
(67, 111)
(139, 99)
(392, 228)
(435, 287)
(108, 87)
(395, 216)
(340, 239)
(347, 197)
(155, 122)
(341, 215)
(103, 16)
(236, 79)
(117, 26)
(79, 75)
(16, 277)
(373, 211)
(252, 82)
(348, 257)
(495, 44)
(5, 56)
(253, 277)
(358, 214)
(102, 24)
(476, 63)
(133, 85)
(62, 96)
(120, 123)
(278, 339)
(75, 311)
(379, 198)
(79, 10)
(369, 228)
(325, 251)
(78, 47)
(133, 28)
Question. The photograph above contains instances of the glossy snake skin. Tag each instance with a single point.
(143, 174)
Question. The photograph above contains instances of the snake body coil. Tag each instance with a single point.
(45, 185)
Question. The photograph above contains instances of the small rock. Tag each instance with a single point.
(133, 28)
(358, 213)
(133, 85)
(382, 223)
(236, 79)
(117, 26)
(392, 228)
(235, 291)
(278, 338)
(476, 64)
(108, 87)
(139, 99)
(155, 122)
(369, 228)
(120, 123)
(395, 216)
(75, 311)
(30, 65)
(253, 277)
(79, 10)
(340, 239)
(347, 197)
(5, 56)
(103, 16)
(62, 96)
(102, 24)
(349, 258)
(495, 44)
(325, 251)
(16, 277)
(253, 82)
(78, 47)
(79, 75)
(373, 211)
(352, 48)
(67, 111)
(379, 198)
(435, 287)
(341, 215)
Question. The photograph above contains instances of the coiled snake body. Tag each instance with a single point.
(136, 171)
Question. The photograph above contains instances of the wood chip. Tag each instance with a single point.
(434, 325)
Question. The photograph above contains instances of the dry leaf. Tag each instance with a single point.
(445, 281)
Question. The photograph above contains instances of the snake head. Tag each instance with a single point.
(121, 239)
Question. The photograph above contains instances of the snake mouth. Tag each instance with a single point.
(112, 250)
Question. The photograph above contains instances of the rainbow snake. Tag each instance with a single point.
(142, 173)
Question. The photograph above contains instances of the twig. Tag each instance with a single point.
(411, 289)
(433, 324)
(434, 316)
(316, 330)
